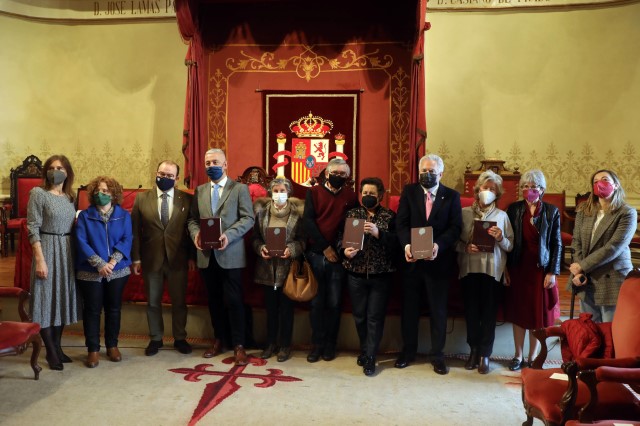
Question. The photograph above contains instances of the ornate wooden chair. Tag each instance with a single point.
(556, 396)
(23, 178)
(15, 337)
(257, 179)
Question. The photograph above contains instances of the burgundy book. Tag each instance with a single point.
(481, 237)
(353, 235)
(210, 231)
(422, 242)
(276, 240)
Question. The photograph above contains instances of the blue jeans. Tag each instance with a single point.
(326, 306)
(601, 313)
(95, 296)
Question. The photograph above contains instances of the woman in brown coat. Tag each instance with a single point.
(271, 271)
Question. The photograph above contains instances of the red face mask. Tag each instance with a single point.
(531, 195)
(603, 188)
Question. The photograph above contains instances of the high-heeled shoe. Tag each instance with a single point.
(54, 363)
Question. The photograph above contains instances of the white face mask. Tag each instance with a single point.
(279, 197)
(486, 197)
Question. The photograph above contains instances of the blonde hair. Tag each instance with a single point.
(487, 176)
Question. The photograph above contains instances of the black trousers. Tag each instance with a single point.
(481, 295)
(226, 306)
(279, 316)
(416, 280)
(369, 297)
(95, 297)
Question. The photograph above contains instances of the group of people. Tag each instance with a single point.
(80, 270)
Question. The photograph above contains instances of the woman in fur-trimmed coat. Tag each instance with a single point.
(272, 270)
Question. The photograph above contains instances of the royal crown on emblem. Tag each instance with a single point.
(311, 126)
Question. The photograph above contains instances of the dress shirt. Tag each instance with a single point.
(170, 194)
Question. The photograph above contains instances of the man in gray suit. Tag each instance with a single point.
(161, 246)
(221, 269)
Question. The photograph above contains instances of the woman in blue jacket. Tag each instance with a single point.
(104, 237)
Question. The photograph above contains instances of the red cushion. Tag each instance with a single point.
(24, 185)
(15, 223)
(16, 333)
(567, 239)
(466, 201)
(394, 202)
(544, 393)
(607, 340)
(257, 191)
(624, 329)
(10, 291)
(583, 338)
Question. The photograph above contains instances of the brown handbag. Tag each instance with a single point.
(301, 285)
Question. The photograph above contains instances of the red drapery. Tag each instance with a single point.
(194, 140)
(417, 123)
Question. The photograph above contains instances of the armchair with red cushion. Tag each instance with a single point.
(15, 337)
(23, 179)
(556, 395)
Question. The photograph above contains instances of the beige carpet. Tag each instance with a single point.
(145, 391)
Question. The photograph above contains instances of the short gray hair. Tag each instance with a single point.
(486, 176)
(280, 181)
(216, 151)
(536, 176)
(433, 157)
(335, 162)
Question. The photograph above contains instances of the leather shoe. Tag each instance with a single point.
(314, 356)
(240, 355)
(152, 347)
(284, 354)
(182, 346)
(214, 350)
(404, 360)
(369, 367)
(517, 364)
(440, 367)
(268, 351)
(484, 368)
(93, 359)
(65, 358)
(329, 353)
(361, 359)
(473, 361)
(114, 354)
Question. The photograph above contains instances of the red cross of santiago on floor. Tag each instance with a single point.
(216, 392)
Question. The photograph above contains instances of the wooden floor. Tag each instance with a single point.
(7, 273)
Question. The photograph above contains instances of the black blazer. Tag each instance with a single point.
(445, 219)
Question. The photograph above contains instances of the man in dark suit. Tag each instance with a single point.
(161, 246)
(428, 203)
(221, 269)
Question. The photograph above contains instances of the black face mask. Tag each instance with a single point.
(369, 201)
(428, 180)
(337, 181)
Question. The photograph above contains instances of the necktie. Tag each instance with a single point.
(428, 204)
(215, 197)
(164, 209)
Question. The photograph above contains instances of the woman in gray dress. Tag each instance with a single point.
(50, 218)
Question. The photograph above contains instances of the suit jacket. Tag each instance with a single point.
(152, 242)
(235, 211)
(445, 218)
(606, 259)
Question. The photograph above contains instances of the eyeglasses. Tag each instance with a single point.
(164, 175)
(530, 187)
(341, 174)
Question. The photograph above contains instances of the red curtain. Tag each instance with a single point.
(194, 138)
(417, 123)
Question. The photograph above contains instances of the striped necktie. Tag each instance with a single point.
(164, 209)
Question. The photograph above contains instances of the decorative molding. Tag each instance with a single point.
(218, 89)
(565, 169)
(308, 64)
(399, 140)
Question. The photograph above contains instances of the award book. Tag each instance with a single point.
(276, 240)
(210, 231)
(353, 233)
(422, 242)
(481, 237)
